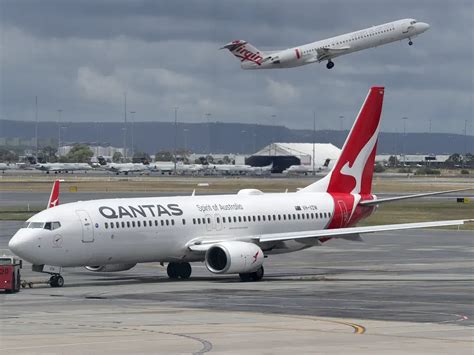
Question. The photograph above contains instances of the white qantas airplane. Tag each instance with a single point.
(326, 49)
(230, 233)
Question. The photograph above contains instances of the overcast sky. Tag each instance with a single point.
(81, 56)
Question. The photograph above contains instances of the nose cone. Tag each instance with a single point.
(24, 245)
(422, 27)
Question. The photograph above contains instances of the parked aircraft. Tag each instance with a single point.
(62, 167)
(231, 234)
(126, 168)
(307, 169)
(326, 49)
(7, 166)
(168, 167)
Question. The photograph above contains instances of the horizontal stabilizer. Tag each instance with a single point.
(397, 198)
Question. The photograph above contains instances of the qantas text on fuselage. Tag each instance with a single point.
(328, 49)
(230, 233)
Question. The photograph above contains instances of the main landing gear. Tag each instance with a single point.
(56, 280)
(252, 276)
(330, 64)
(179, 270)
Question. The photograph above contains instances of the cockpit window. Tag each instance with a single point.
(412, 22)
(48, 225)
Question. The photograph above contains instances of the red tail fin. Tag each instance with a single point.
(355, 166)
(54, 197)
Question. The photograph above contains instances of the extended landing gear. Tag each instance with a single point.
(179, 270)
(330, 64)
(410, 42)
(252, 276)
(56, 281)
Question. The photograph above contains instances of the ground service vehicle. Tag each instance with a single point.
(10, 273)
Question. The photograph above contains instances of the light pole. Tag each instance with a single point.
(59, 130)
(273, 137)
(125, 126)
(208, 115)
(185, 134)
(97, 129)
(314, 142)
(36, 127)
(404, 119)
(132, 113)
(175, 135)
(242, 132)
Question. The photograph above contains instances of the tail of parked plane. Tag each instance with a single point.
(354, 169)
(245, 51)
(54, 197)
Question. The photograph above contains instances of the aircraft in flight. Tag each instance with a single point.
(326, 49)
(231, 234)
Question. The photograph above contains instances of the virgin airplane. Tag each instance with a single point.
(326, 49)
(231, 234)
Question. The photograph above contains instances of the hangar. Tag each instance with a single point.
(283, 155)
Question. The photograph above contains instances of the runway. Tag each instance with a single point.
(409, 292)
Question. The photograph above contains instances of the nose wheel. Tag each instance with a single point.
(56, 281)
(410, 42)
(330, 64)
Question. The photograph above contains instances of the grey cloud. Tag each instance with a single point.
(82, 55)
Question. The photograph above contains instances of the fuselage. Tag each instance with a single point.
(100, 232)
(338, 45)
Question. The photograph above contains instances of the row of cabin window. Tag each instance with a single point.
(264, 218)
(353, 39)
(133, 224)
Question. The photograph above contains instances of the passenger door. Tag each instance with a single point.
(87, 227)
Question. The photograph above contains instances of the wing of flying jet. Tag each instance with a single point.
(352, 233)
(328, 53)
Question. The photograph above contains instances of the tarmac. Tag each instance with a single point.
(406, 292)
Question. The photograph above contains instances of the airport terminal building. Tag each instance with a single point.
(283, 155)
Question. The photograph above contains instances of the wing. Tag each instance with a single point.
(353, 233)
(391, 199)
(328, 53)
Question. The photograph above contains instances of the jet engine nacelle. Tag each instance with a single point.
(110, 268)
(233, 258)
(286, 56)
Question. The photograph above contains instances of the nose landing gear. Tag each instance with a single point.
(410, 42)
(330, 64)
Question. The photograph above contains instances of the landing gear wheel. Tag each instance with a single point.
(257, 275)
(56, 281)
(179, 270)
(252, 276)
(330, 64)
(245, 277)
(184, 270)
(410, 43)
(172, 270)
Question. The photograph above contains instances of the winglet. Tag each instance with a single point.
(54, 197)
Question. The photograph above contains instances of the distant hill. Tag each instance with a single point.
(217, 137)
